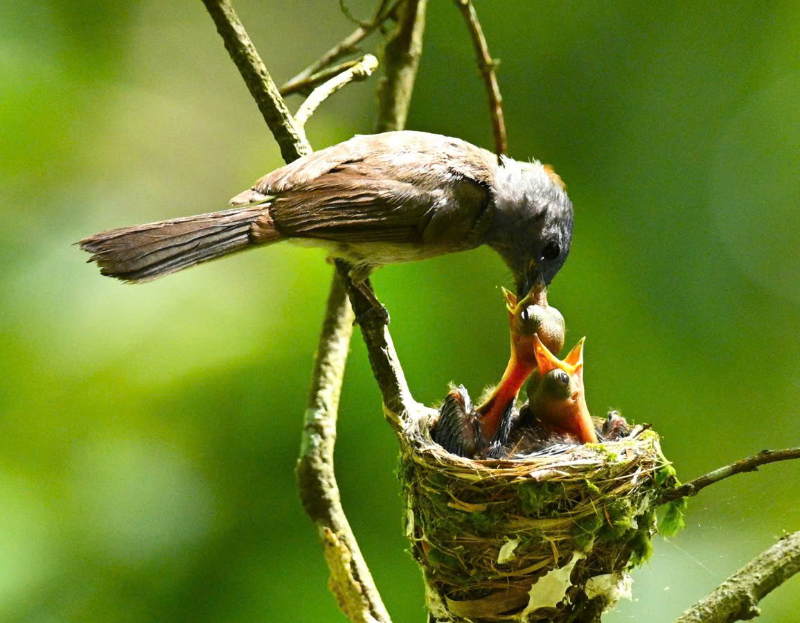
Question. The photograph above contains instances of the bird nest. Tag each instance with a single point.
(548, 536)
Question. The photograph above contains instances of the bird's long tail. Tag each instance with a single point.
(146, 252)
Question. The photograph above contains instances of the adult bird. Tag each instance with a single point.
(372, 200)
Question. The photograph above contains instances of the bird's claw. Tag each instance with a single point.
(375, 311)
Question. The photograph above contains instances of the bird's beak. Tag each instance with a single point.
(536, 295)
(575, 358)
(545, 360)
(511, 302)
(531, 279)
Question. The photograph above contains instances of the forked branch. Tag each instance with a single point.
(351, 580)
(359, 71)
(348, 45)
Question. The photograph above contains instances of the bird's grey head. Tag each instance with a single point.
(532, 226)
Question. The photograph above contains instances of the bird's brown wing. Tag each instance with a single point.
(396, 187)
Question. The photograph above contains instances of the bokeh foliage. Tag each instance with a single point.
(150, 433)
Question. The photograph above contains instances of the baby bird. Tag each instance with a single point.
(556, 397)
(470, 432)
(556, 411)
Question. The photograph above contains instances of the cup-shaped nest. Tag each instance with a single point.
(546, 536)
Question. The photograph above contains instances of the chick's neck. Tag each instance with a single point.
(491, 411)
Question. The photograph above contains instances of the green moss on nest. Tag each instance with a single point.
(674, 520)
(535, 496)
(642, 548)
(585, 531)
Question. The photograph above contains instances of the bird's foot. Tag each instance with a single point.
(379, 313)
(376, 309)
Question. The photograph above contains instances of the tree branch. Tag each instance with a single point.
(401, 60)
(749, 464)
(736, 599)
(346, 46)
(397, 400)
(487, 66)
(350, 577)
(351, 580)
(290, 139)
(359, 71)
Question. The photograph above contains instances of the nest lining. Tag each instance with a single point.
(486, 531)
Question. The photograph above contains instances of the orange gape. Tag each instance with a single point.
(556, 395)
(529, 318)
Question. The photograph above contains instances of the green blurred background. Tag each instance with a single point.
(149, 433)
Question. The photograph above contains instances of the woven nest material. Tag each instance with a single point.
(545, 537)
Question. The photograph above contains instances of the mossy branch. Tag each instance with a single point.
(737, 598)
(351, 580)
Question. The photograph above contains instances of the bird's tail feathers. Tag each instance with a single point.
(146, 252)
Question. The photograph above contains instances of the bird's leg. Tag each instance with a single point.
(358, 279)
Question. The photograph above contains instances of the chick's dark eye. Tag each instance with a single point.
(562, 378)
(551, 250)
(525, 315)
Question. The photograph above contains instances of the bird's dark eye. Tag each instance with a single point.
(525, 315)
(551, 250)
(561, 377)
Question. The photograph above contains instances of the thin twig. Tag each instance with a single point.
(400, 60)
(360, 71)
(749, 464)
(736, 599)
(292, 143)
(487, 66)
(312, 82)
(348, 45)
(349, 14)
(351, 580)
